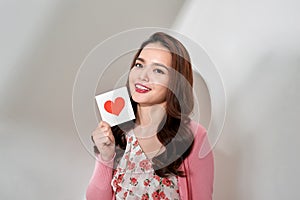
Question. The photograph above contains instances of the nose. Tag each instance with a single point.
(144, 74)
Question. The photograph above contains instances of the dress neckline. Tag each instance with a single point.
(156, 153)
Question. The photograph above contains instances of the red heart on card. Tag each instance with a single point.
(115, 107)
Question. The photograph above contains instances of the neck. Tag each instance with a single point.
(149, 118)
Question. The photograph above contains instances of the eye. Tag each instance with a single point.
(138, 65)
(159, 71)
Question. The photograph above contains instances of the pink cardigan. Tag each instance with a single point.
(197, 185)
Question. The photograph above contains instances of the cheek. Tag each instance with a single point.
(162, 81)
(161, 90)
(162, 94)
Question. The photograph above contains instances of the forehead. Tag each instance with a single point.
(156, 52)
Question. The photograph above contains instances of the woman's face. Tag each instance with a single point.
(150, 75)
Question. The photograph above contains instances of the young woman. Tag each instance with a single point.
(155, 156)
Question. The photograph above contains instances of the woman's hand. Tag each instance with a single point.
(104, 141)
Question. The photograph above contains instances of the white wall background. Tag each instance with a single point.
(43, 44)
(254, 44)
(256, 47)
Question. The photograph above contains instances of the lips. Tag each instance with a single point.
(141, 88)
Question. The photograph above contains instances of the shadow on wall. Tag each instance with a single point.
(255, 157)
(229, 164)
(202, 101)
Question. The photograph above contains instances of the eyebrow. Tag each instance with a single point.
(157, 64)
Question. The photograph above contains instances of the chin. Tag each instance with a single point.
(139, 100)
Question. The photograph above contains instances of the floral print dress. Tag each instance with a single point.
(135, 179)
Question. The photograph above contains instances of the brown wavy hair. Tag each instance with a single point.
(174, 131)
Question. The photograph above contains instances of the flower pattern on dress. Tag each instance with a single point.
(135, 179)
(145, 165)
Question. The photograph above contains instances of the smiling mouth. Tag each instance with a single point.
(141, 88)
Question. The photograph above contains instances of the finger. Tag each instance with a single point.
(104, 140)
(105, 124)
(108, 141)
(108, 132)
(111, 137)
(99, 137)
(104, 129)
(100, 131)
(100, 124)
(97, 132)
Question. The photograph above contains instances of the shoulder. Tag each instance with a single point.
(199, 164)
(198, 130)
(201, 146)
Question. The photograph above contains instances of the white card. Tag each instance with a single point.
(115, 106)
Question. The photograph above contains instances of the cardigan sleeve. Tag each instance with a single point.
(99, 186)
(201, 166)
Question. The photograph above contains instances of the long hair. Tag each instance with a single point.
(173, 132)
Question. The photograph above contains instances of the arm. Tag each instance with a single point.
(99, 186)
(201, 166)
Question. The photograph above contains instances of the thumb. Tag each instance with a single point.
(111, 137)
